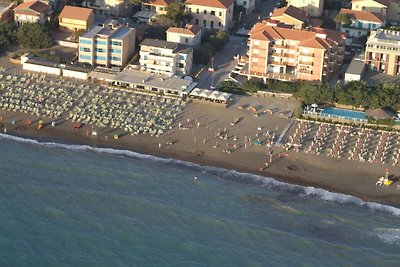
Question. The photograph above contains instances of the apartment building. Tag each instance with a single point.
(163, 57)
(292, 54)
(382, 51)
(249, 5)
(188, 35)
(389, 9)
(73, 18)
(106, 7)
(362, 22)
(290, 15)
(30, 12)
(109, 45)
(313, 8)
(213, 14)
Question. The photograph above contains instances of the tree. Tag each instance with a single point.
(33, 35)
(219, 40)
(251, 86)
(6, 35)
(137, 2)
(177, 14)
(343, 19)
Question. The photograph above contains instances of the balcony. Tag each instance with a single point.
(279, 54)
(307, 63)
(303, 71)
(278, 63)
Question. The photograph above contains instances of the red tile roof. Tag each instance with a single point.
(188, 29)
(363, 15)
(77, 13)
(313, 39)
(212, 3)
(290, 11)
(161, 2)
(31, 7)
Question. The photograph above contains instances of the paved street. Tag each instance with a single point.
(223, 61)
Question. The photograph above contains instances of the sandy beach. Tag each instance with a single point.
(204, 134)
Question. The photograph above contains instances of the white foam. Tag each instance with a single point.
(268, 182)
(389, 235)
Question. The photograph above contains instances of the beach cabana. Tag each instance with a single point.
(195, 92)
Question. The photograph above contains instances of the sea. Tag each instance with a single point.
(74, 205)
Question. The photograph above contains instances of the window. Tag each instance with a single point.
(255, 59)
(85, 57)
(118, 51)
(256, 42)
(161, 8)
(83, 41)
(116, 58)
(204, 23)
(190, 10)
(197, 11)
(197, 21)
(100, 58)
(205, 12)
(84, 49)
(186, 40)
(213, 13)
(100, 50)
(99, 42)
(244, 3)
(256, 51)
(139, 86)
(212, 24)
(181, 57)
(180, 65)
(220, 14)
(116, 43)
(219, 24)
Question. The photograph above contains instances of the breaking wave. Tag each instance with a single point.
(267, 182)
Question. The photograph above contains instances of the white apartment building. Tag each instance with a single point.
(163, 57)
(188, 35)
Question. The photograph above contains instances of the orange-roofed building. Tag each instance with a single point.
(387, 8)
(292, 54)
(158, 6)
(290, 15)
(362, 22)
(313, 8)
(73, 18)
(189, 35)
(212, 14)
(30, 12)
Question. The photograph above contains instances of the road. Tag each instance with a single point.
(223, 61)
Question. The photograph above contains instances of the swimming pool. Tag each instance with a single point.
(343, 114)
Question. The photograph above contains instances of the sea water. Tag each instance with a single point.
(70, 205)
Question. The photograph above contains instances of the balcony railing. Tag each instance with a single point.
(307, 63)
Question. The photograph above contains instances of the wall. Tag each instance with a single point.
(43, 69)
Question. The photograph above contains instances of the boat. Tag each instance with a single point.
(235, 121)
(384, 180)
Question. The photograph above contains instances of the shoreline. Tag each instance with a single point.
(303, 172)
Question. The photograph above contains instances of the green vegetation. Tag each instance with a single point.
(156, 32)
(6, 35)
(176, 15)
(34, 36)
(392, 28)
(231, 87)
(212, 43)
(357, 94)
(137, 2)
(343, 19)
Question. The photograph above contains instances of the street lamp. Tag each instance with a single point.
(240, 16)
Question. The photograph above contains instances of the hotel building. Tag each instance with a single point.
(108, 45)
(291, 54)
(163, 57)
(382, 51)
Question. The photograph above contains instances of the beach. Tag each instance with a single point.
(202, 133)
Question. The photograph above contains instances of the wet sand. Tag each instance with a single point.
(196, 141)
